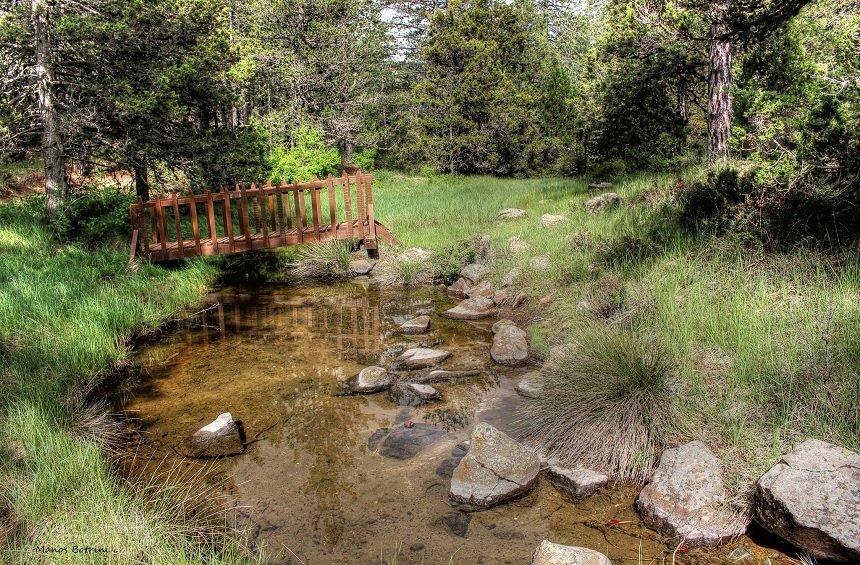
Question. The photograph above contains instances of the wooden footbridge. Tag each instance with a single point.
(257, 217)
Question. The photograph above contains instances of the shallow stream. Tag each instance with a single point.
(310, 486)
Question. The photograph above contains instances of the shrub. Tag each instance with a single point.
(97, 217)
(605, 403)
(325, 261)
(365, 159)
(309, 157)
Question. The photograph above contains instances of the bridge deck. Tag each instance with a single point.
(264, 217)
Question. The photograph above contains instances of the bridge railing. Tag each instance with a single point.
(256, 217)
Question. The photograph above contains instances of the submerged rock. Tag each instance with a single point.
(602, 202)
(417, 325)
(472, 309)
(405, 443)
(368, 381)
(511, 214)
(576, 483)
(219, 438)
(686, 498)
(495, 469)
(413, 394)
(552, 220)
(475, 273)
(548, 553)
(443, 376)
(529, 385)
(420, 357)
(457, 523)
(510, 346)
(812, 499)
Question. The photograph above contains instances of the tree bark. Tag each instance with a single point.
(56, 188)
(141, 182)
(719, 90)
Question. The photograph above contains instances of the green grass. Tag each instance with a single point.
(765, 344)
(66, 318)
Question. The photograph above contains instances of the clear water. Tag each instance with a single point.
(309, 486)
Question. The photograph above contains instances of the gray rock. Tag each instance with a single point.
(511, 214)
(475, 273)
(376, 437)
(540, 263)
(686, 498)
(552, 220)
(368, 381)
(517, 245)
(415, 254)
(405, 443)
(548, 553)
(484, 288)
(600, 185)
(420, 357)
(602, 202)
(510, 277)
(495, 469)
(529, 385)
(361, 267)
(576, 483)
(442, 376)
(460, 449)
(413, 394)
(510, 345)
(812, 499)
(218, 438)
(472, 309)
(447, 466)
(457, 523)
(459, 288)
(416, 325)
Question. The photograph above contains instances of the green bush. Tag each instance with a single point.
(309, 157)
(365, 159)
(98, 217)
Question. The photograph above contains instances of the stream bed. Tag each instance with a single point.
(310, 486)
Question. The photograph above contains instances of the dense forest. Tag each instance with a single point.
(209, 92)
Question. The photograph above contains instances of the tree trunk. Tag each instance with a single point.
(52, 145)
(141, 182)
(719, 93)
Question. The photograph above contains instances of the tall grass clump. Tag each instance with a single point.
(606, 403)
(325, 261)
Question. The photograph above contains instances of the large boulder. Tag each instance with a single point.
(495, 469)
(576, 483)
(511, 214)
(602, 202)
(552, 220)
(472, 309)
(484, 288)
(218, 438)
(417, 325)
(548, 553)
(420, 357)
(510, 346)
(686, 498)
(475, 273)
(459, 288)
(404, 442)
(368, 381)
(812, 499)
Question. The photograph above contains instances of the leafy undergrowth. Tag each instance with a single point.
(66, 317)
(762, 344)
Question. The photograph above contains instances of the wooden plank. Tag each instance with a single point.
(133, 248)
(177, 223)
(315, 210)
(332, 202)
(362, 209)
(276, 216)
(210, 216)
(347, 203)
(228, 226)
(261, 217)
(162, 229)
(257, 207)
(273, 221)
(243, 215)
(195, 227)
(300, 213)
(224, 210)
